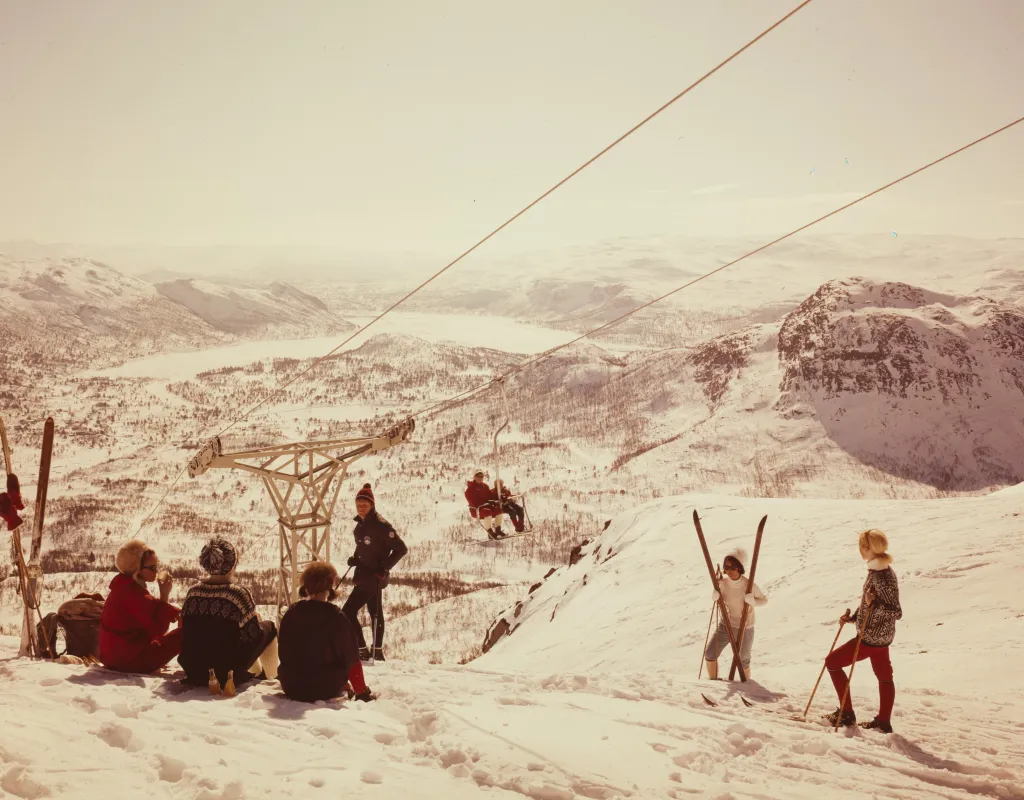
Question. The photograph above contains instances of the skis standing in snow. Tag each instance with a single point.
(878, 612)
(378, 549)
(735, 590)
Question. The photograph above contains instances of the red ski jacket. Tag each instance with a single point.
(132, 618)
(477, 494)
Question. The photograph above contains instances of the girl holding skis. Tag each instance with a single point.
(876, 618)
(736, 590)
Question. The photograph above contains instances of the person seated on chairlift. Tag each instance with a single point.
(483, 505)
(509, 506)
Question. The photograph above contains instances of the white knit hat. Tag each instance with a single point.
(739, 555)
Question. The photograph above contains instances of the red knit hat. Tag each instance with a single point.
(366, 493)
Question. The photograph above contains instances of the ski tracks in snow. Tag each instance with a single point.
(75, 732)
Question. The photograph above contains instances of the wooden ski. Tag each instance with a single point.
(6, 447)
(35, 572)
(714, 583)
(750, 588)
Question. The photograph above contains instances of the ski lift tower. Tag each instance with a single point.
(303, 480)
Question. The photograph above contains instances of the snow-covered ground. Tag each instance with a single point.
(595, 694)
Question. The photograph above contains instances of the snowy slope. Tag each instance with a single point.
(251, 310)
(601, 701)
(72, 308)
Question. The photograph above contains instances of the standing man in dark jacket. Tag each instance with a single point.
(378, 549)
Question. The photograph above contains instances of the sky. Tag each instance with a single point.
(413, 126)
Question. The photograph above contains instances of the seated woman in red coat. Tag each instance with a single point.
(483, 505)
(133, 626)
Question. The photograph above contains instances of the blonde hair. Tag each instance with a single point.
(874, 541)
(130, 556)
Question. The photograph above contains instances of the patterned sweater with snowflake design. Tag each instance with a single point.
(226, 600)
(881, 626)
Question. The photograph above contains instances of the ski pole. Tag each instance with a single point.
(707, 636)
(373, 627)
(711, 617)
(856, 650)
(833, 647)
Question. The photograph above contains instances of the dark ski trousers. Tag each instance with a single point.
(880, 663)
(367, 594)
(515, 513)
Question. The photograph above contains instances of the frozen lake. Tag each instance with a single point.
(498, 333)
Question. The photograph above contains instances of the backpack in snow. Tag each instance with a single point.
(79, 620)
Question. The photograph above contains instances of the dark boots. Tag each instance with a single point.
(877, 725)
(844, 717)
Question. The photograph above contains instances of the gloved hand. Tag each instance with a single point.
(715, 595)
(749, 599)
(352, 561)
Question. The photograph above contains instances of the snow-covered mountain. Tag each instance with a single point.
(80, 312)
(898, 383)
(917, 383)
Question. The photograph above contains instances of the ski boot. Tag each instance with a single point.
(378, 654)
(364, 653)
(877, 725)
(365, 696)
(847, 718)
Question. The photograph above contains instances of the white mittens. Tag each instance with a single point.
(715, 595)
(749, 599)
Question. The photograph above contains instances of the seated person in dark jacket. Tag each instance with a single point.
(318, 648)
(378, 549)
(221, 629)
(509, 506)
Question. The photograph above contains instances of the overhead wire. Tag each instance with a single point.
(493, 233)
(794, 232)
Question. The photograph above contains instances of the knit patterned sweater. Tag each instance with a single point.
(881, 626)
(227, 600)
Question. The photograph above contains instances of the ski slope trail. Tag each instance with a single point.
(79, 732)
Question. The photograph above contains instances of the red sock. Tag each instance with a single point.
(355, 677)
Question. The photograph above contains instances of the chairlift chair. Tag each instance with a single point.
(520, 498)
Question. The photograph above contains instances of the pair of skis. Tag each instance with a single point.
(721, 603)
(30, 574)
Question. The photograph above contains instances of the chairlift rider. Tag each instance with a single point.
(484, 505)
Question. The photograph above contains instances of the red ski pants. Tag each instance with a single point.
(843, 657)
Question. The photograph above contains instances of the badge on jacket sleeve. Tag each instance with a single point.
(366, 540)
(391, 534)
